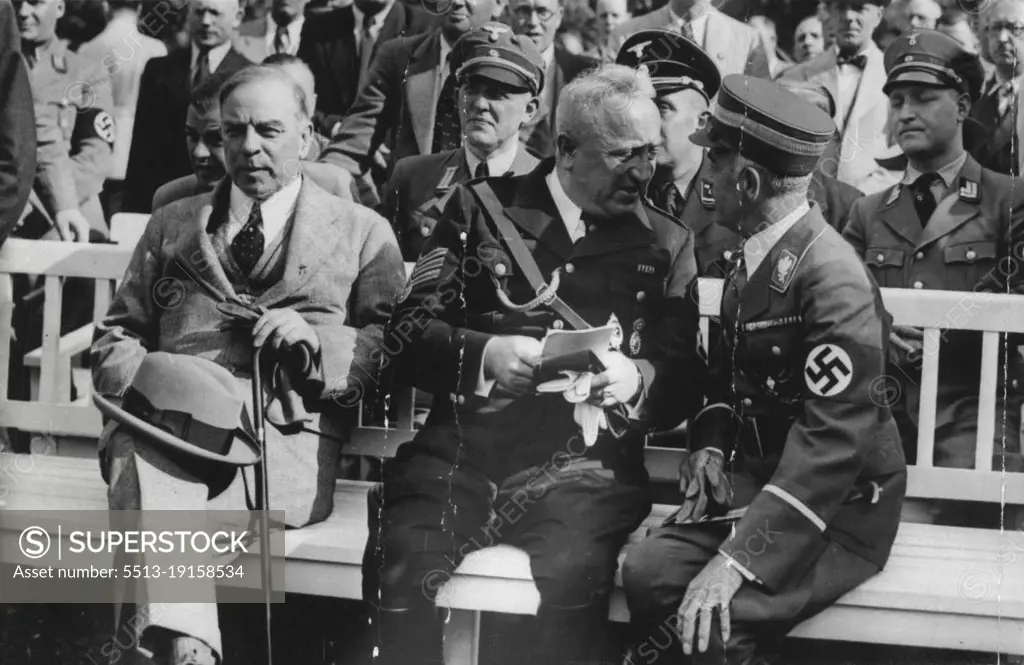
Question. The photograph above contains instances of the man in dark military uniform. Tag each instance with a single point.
(685, 79)
(74, 128)
(500, 76)
(507, 455)
(949, 224)
(790, 440)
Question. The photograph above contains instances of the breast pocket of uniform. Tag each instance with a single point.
(771, 348)
(967, 263)
(886, 265)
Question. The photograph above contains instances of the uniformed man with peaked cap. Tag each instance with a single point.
(800, 473)
(514, 451)
(685, 79)
(500, 76)
(949, 224)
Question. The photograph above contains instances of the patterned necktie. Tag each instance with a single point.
(1006, 95)
(202, 68)
(367, 42)
(482, 171)
(859, 60)
(446, 118)
(672, 200)
(924, 197)
(247, 247)
(684, 28)
(282, 40)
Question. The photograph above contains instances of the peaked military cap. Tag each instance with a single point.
(767, 124)
(672, 61)
(495, 52)
(929, 57)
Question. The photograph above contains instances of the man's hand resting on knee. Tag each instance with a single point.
(711, 590)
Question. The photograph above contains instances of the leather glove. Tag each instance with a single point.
(702, 479)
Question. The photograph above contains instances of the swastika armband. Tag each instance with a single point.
(843, 371)
(93, 123)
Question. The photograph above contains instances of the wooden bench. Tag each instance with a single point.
(944, 587)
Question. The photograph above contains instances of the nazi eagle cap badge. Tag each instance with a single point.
(616, 341)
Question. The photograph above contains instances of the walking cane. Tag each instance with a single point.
(263, 500)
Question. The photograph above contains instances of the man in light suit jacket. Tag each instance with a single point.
(403, 91)
(269, 260)
(279, 31)
(735, 47)
(853, 72)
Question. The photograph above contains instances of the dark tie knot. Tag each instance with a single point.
(925, 181)
(482, 170)
(859, 60)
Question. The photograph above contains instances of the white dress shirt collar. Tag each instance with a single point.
(570, 213)
(215, 56)
(499, 162)
(758, 245)
(294, 33)
(276, 210)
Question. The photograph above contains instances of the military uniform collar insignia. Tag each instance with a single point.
(970, 191)
(707, 194)
(446, 180)
(783, 271)
(894, 194)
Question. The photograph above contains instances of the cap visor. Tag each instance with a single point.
(701, 137)
(915, 77)
(242, 452)
(502, 75)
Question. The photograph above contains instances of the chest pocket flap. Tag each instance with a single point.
(884, 257)
(970, 252)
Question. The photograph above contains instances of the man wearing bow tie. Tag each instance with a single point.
(854, 75)
(500, 78)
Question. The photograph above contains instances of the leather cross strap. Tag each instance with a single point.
(485, 195)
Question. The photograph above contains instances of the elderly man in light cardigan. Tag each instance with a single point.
(267, 259)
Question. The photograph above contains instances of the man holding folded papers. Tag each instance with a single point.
(570, 245)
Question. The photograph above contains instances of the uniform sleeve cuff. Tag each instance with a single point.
(483, 386)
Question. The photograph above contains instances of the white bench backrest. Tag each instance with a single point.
(53, 413)
(936, 312)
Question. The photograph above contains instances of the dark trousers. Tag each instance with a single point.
(572, 519)
(657, 572)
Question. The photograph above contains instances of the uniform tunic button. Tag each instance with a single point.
(776, 351)
(727, 254)
(918, 285)
(500, 269)
(557, 325)
(570, 268)
(919, 256)
(425, 231)
(461, 399)
(748, 402)
(880, 257)
(971, 254)
(640, 295)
